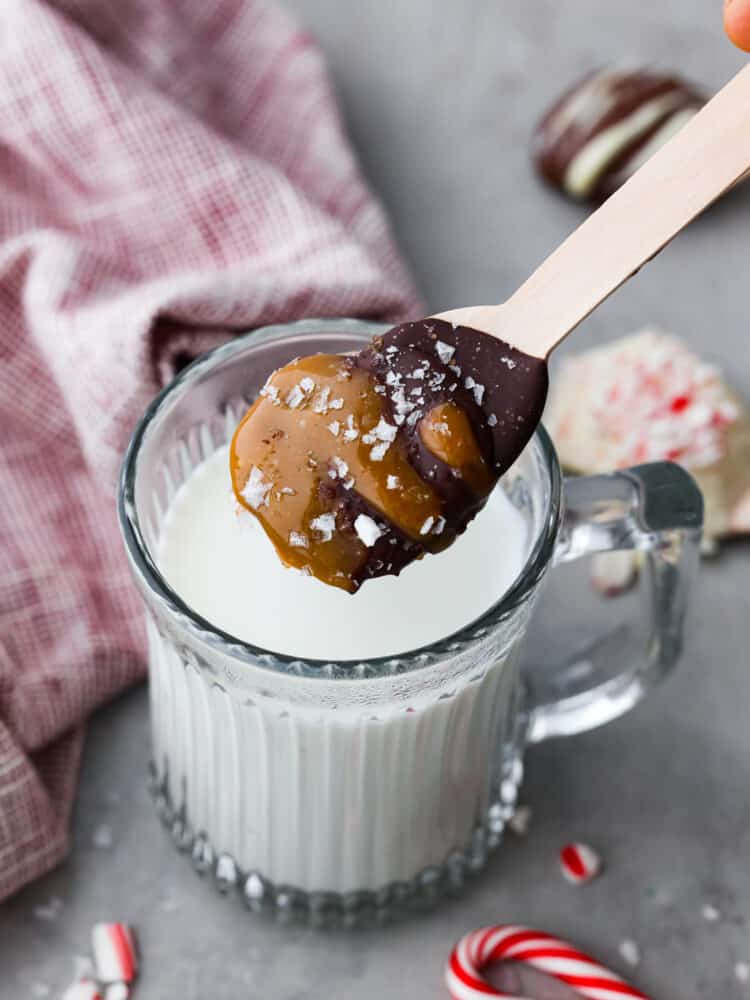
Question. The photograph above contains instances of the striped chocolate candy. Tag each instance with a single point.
(607, 125)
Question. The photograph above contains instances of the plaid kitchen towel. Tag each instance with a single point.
(170, 171)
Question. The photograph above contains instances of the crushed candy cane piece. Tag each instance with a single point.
(579, 863)
(113, 947)
(84, 989)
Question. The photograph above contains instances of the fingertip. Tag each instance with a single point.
(737, 22)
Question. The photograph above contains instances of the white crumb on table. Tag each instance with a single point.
(520, 821)
(629, 952)
(103, 836)
(49, 910)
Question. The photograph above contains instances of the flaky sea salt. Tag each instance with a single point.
(334, 427)
(392, 483)
(427, 525)
(295, 397)
(476, 387)
(255, 491)
(324, 525)
(444, 351)
(337, 404)
(384, 431)
(351, 433)
(298, 540)
(509, 363)
(377, 454)
(492, 420)
(367, 530)
(340, 468)
(320, 405)
(307, 384)
(272, 392)
(439, 525)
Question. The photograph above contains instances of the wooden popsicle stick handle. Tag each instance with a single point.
(704, 159)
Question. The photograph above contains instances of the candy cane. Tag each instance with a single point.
(113, 946)
(476, 951)
(84, 989)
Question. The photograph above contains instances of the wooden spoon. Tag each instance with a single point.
(708, 156)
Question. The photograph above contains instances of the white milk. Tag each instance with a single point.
(327, 785)
(223, 565)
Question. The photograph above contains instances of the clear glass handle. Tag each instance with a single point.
(656, 509)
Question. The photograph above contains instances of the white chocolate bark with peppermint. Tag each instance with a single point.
(645, 398)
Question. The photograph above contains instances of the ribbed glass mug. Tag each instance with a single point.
(344, 791)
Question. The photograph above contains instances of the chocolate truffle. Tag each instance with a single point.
(607, 125)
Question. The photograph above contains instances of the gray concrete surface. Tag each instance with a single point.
(440, 99)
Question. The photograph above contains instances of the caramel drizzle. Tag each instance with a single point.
(319, 436)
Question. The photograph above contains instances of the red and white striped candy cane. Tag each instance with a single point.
(84, 989)
(506, 942)
(113, 946)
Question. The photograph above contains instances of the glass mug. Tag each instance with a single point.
(345, 791)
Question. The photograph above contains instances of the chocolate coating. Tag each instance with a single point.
(501, 390)
(605, 126)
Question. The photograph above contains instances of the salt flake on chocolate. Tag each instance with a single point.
(424, 530)
(334, 427)
(340, 468)
(476, 388)
(272, 392)
(298, 540)
(377, 454)
(321, 400)
(256, 489)
(324, 525)
(367, 530)
(384, 431)
(444, 351)
(392, 483)
(295, 397)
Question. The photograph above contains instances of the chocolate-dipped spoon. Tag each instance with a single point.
(356, 466)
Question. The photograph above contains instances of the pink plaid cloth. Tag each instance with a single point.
(170, 171)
